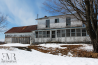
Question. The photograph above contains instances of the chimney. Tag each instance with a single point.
(45, 16)
(37, 16)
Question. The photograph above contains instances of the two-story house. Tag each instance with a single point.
(61, 28)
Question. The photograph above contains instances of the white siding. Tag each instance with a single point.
(61, 24)
(18, 34)
(9, 39)
(64, 39)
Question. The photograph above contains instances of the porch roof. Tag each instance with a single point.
(59, 28)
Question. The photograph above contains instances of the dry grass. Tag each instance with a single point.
(70, 48)
(7, 48)
(83, 53)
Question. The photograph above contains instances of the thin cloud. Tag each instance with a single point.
(21, 15)
(21, 12)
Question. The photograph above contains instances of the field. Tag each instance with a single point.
(50, 54)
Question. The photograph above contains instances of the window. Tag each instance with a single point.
(78, 32)
(44, 34)
(72, 32)
(48, 33)
(40, 34)
(83, 32)
(47, 23)
(58, 33)
(63, 33)
(67, 32)
(68, 21)
(53, 34)
(56, 20)
(36, 34)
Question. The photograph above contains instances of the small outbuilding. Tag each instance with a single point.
(20, 34)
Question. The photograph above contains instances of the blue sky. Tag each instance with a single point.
(21, 12)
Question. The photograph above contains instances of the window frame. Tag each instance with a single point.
(68, 32)
(57, 20)
(36, 34)
(68, 21)
(83, 32)
(59, 34)
(53, 34)
(40, 34)
(48, 34)
(73, 32)
(44, 34)
(63, 33)
(47, 23)
(78, 32)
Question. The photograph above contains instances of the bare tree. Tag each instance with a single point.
(3, 22)
(84, 10)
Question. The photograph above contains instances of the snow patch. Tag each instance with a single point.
(87, 47)
(53, 45)
(69, 54)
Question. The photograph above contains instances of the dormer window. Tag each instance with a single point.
(68, 21)
(56, 20)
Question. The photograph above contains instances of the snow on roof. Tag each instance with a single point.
(46, 17)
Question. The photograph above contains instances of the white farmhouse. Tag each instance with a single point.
(62, 28)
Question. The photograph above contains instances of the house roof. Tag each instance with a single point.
(22, 29)
(46, 17)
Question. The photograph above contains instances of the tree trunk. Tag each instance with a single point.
(92, 33)
(95, 46)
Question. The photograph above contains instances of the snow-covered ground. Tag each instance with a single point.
(15, 44)
(38, 58)
(53, 45)
(87, 47)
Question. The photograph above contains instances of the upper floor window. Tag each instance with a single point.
(68, 21)
(47, 23)
(56, 20)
